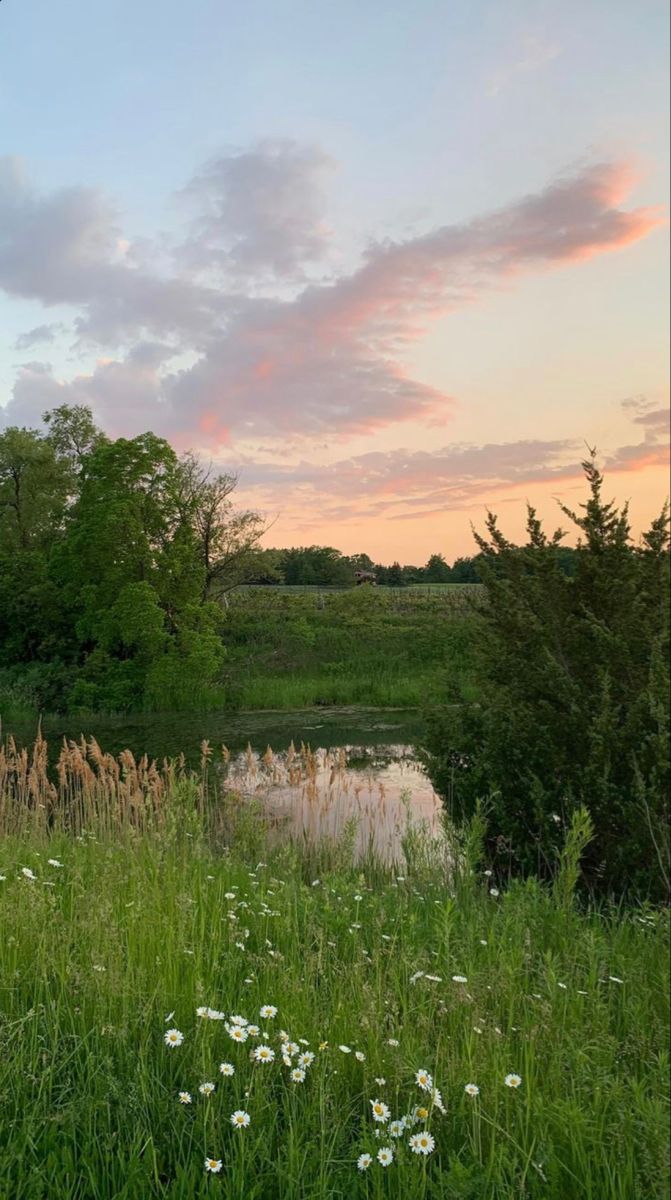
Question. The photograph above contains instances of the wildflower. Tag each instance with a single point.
(459, 979)
(487, 874)
(433, 978)
(363, 1162)
(202, 1012)
(438, 1100)
(298, 1075)
(422, 1143)
(494, 892)
(184, 1097)
(472, 1089)
(53, 862)
(213, 1165)
(290, 1048)
(253, 1030)
(241, 946)
(424, 1080)
(169, 1016)
(385, 1156)
(304, 1042)
(422, 1113)
(2, 878)
(380, 1111)
(227, 1069)
(229, 895)
(358, 897)
(173, 1037)
(306, 1059)
(267, 1012)
(264, 1054)
(345, 1049)
(614, 979)
(286, 1060)
(206, 1089)
(416, 976)
(359, 1056)
(27, 873)
(236, 1020)
(512, 1081)
(238, 1033)
(393, 1042)
(483, 941)
(396, 1128)
(323, 1045)
(380, 1081)
(563, 986)
(240, 1119)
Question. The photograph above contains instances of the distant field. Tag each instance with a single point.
(296, 647)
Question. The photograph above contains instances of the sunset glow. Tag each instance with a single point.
(391, 289)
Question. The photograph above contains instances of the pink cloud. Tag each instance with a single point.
(328, 360)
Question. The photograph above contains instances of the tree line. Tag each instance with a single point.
(324, 566)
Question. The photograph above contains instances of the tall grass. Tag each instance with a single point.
(154, 910)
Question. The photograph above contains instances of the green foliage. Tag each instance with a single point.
(111, 553)
(573, 700)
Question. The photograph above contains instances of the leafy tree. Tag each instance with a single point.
(395, 577)
(227, 538)
(573, 710)
(316, 566)
(436, 570)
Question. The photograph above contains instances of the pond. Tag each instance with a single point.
(317, 772)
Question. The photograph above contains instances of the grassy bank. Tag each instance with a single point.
(293, 648)
(114, 936)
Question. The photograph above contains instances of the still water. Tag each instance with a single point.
(317, 772)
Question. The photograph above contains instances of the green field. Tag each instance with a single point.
(111, 939)
(296, 647)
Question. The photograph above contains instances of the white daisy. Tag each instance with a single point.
(238, 1033)
(264, 1054)
(385, 1156)
(393, 1042)
(424, 1080)
(173, 1037)
(459, 979)
(267, 1012)
(253, 1030)
(298, 1075)
(184, 1097)
(306, 1059)
(380, 1110)
(27, 873)
(512, 1081)
(206, 1089)
(227, 1069)
(472, 1089)
(422, 1143)
(396, 1128)
(363, 1162)
(240, 1119)
(237, 1020)
(213, 1165)
(359, 1055)
(345, 1049)
(380, 1080)
(53, 862)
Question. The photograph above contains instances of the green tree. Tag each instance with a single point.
(436, 570)
(574, 699)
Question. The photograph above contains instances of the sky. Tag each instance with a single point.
(393, 264)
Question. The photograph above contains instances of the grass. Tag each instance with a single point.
(163, 874)
(295, 648)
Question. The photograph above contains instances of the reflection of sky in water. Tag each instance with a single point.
(315, 794)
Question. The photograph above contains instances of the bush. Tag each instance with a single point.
(573, 700)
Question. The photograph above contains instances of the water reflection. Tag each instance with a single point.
(317, 794)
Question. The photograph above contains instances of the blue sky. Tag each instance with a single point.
(391, 122)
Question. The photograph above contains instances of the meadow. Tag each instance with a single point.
(298, 647)
(414, 1031)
